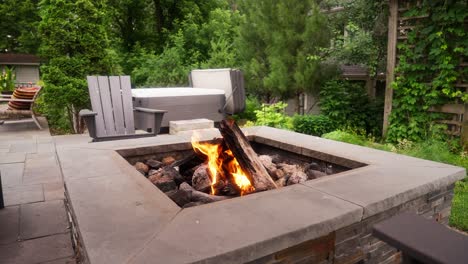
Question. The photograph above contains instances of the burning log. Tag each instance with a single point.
(187, 192)
(248, 160)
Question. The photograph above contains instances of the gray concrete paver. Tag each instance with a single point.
(42, 219)
(12, 174)
(9, 225)
(37, 250)
(23, 194)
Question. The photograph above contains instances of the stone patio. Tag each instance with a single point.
(34, 227)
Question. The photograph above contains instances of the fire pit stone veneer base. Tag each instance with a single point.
(120, 217)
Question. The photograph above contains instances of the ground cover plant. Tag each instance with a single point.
(435, 149)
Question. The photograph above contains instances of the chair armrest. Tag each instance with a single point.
(90, 120)
(6, 95)
(16, 100)
(87, 112)
(148, 120)
(147, 110)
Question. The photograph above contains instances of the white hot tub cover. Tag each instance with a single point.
(229, 80)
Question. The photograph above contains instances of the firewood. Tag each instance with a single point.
(184, 161)
(197, 196)
(246, 156)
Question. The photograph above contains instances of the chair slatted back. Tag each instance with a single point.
(111, 99)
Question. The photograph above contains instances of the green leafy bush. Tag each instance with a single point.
(252, 104)
(427, 70)
(7, 80)
(274, 116)
(73, 49)
(315, 125)
(348, 105)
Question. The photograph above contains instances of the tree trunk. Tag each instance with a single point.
(158, 12)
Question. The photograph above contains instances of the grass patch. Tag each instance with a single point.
(432, 149)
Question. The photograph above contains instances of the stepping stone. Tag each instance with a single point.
(43, 219)
(23, 194)
(9, 227)
(38, 250)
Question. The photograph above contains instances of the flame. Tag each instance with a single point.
(239, 176)
(215, 161)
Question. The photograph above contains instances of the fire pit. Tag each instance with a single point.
(119, 216)
(212, 173)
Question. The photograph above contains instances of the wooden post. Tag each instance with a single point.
(464, 129)
(391, 61)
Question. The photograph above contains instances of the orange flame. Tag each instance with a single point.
(215, 165)
(239, 176)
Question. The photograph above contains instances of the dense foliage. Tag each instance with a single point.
(315, 125)
(359, 33)
(18, 26)
(7, 80)
(74, 49)
(348, 105)
(427, 69)
(280, 44)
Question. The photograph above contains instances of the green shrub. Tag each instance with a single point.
(274, 116)
(348, 105)
(315, 125)
(7, 80)
(252, 104)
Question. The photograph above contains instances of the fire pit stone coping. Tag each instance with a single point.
(122, 218)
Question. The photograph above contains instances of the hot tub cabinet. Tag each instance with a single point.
(120, 217)
(182, 103)
(213, 93)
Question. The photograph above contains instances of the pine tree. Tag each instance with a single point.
(18, 26)
(280, 44)
(74, 45)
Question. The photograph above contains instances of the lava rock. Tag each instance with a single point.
(269, 166)
(312, 166)
(152, 171)
(276, 159)
(201, 179)
(141, 167)
(154, 164)
(164, 182)
(314, 174)
(168, 160)
(297, 177)
(281, 182)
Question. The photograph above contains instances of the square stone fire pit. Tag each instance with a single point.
(120, 217)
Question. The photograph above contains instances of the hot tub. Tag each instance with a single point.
(181, 103)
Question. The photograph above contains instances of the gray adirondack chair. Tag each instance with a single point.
(113, 112)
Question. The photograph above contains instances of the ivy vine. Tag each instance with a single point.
(429, 67)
